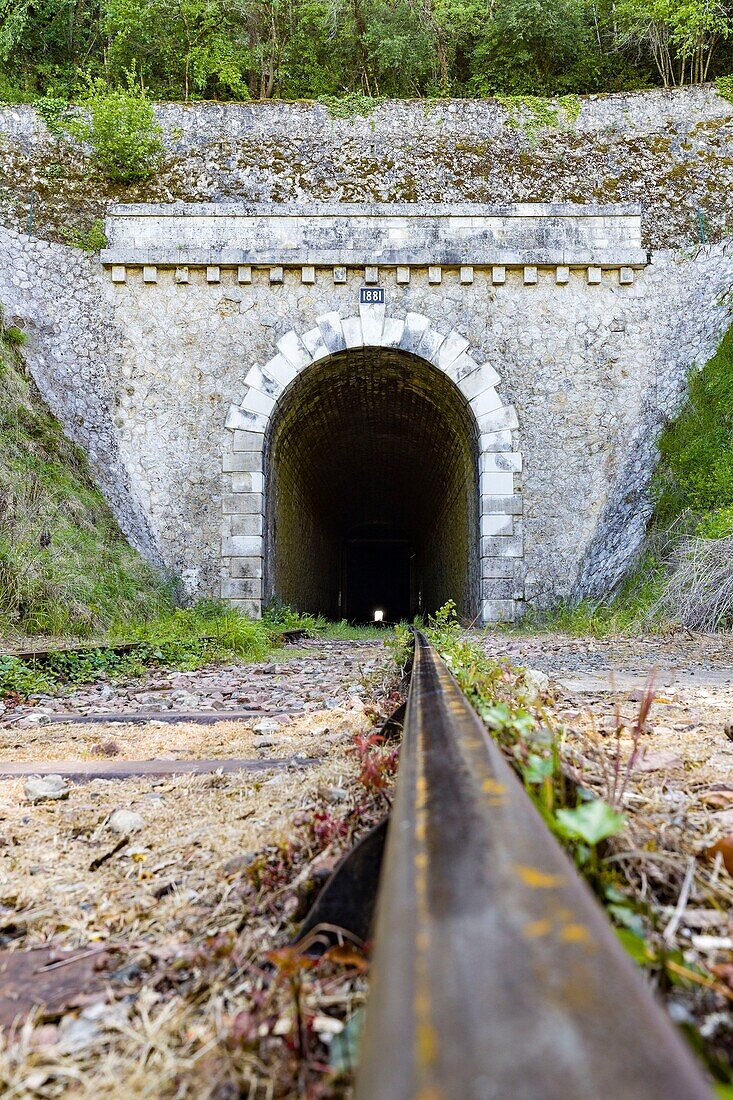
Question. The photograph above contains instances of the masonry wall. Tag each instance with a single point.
(667, 150)
(142, 375)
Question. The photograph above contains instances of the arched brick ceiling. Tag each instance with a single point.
(377, 436)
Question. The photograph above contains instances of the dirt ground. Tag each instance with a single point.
(168, 928)
(167, 925)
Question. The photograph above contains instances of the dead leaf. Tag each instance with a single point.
(724, 847)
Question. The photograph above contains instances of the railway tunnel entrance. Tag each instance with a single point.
(372, 489)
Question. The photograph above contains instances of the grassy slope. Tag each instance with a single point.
(65, 567)
(693, 486)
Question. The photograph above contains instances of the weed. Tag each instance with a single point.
(121, 128)
(92, 239)
(508, 707)
(724, 87)
(351, 105)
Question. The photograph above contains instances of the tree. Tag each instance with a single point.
(680, 35)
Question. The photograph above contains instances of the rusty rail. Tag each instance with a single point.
(496, 974)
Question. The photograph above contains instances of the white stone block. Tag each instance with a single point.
(392, 332)
(412, 334)
(497, 567)
(244, 273)
(502, 419)
(119, 275)
(501, 462)
(351, 328)
(435, 275)
(495, 611)
(244, 588)
(331, 332)
(281, 369)
(626, 276)
(257, 379)
(182, 275)
(371, 275)
(562, 275)
(496, 483)
(594, 275)
(502, 505)
(466, 276)
(530, 275)
(430, 345)
(150, 274)
(461, 368)
(242, 461)
(250, 494)
(498, 275)
(308, 274)
(251, 608)
(496, 441)
(486, 402)
(242, 546)
(236, 419)
(454, 345)
(372, 324)
(276, 275)
(403, 276)
(339, 275)
(496, 525)
(245, 567)
(248, 440)
(483, 378)
(313, 342)
(257, 402)
(213, 274)
(502, 546)
(294, 350)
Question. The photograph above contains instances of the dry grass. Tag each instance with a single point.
(309, 735)
(185, 917)
(699, 591)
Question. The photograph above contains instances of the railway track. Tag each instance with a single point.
(496, 974)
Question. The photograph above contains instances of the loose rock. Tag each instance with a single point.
(125, 821)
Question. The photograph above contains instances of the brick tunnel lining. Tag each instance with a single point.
(372, 489)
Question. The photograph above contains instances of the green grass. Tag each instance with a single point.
(65, 567)
(184, 638)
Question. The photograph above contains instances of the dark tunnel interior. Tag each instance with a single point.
(372, 490)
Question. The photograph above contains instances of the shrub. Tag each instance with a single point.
(122, 129)
(88, 240)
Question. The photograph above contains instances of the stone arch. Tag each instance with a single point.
(500, 461)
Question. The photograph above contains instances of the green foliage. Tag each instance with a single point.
(590, 822)
(351, 53)
(184, 48)
(724, 87)
(179, 638)
(532, 114)
(54, 110)
(696, 468)
(351, 104)
(511, 710)
(88, 240)
(120, 125)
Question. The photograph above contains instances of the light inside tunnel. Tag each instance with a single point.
(372, 490)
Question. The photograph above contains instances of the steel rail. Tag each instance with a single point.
(496, 975)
